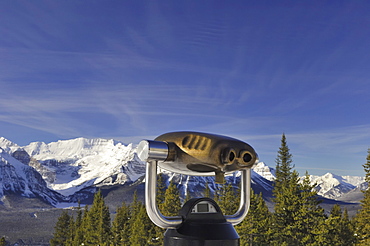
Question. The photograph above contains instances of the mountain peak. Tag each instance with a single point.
(68, 149)
(333, 186)
(8, 145)
(265, 171)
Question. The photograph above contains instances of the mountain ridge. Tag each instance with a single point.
(71, 167)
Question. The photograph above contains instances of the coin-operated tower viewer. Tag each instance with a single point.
(200, 222)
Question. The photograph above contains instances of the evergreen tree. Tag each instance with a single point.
(120, 225)
(286, 207)
(2, 241)
(285, 189)
(97, 223)
(62, 230)
(255, 228)
(310, 215)
(363, 217)
(207, 191)
(135, 205)
(348, 232)
(296, 210)
(171, 204)
(84, 227)
(161, 188)
(336, 229)
(139, 234)
(89, 225)
(78, 230)
(284, 169)
(157, 234)
(142, 230)
(227, 199)
(72, 228)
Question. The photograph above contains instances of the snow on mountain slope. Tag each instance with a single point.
(329, 185)
(69, 149)
(354, 180)
(196, 185)
(333, 186)
(265, 171)
(81, 163)
(8, 146)
(18, 178)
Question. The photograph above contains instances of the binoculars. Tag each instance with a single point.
(197, 154)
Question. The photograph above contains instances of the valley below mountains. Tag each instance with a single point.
(37, 181)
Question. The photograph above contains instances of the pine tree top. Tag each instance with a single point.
(367, 167)
(284, 169)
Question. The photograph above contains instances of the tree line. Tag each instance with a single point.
(296, 219)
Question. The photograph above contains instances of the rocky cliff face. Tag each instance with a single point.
(19, 178)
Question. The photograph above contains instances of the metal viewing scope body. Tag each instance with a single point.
(197, 154)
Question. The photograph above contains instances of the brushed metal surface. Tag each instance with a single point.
(152, 150)
(204, 154)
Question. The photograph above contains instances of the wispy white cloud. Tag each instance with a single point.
(144, 70)
(352, 139)
(341, 150)
(327, 169)
(55, 110)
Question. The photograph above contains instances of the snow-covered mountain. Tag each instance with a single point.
(8, 146)
(72, 165)
(333, 186)
(66, 167)
(19, 178)
(265, 171)
(328, 185)
(69, 169)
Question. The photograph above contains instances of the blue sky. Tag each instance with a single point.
(252, 70)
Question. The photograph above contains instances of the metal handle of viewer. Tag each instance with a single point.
(244, 204)
(172, 222)
(154, 151)
(150, 200)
